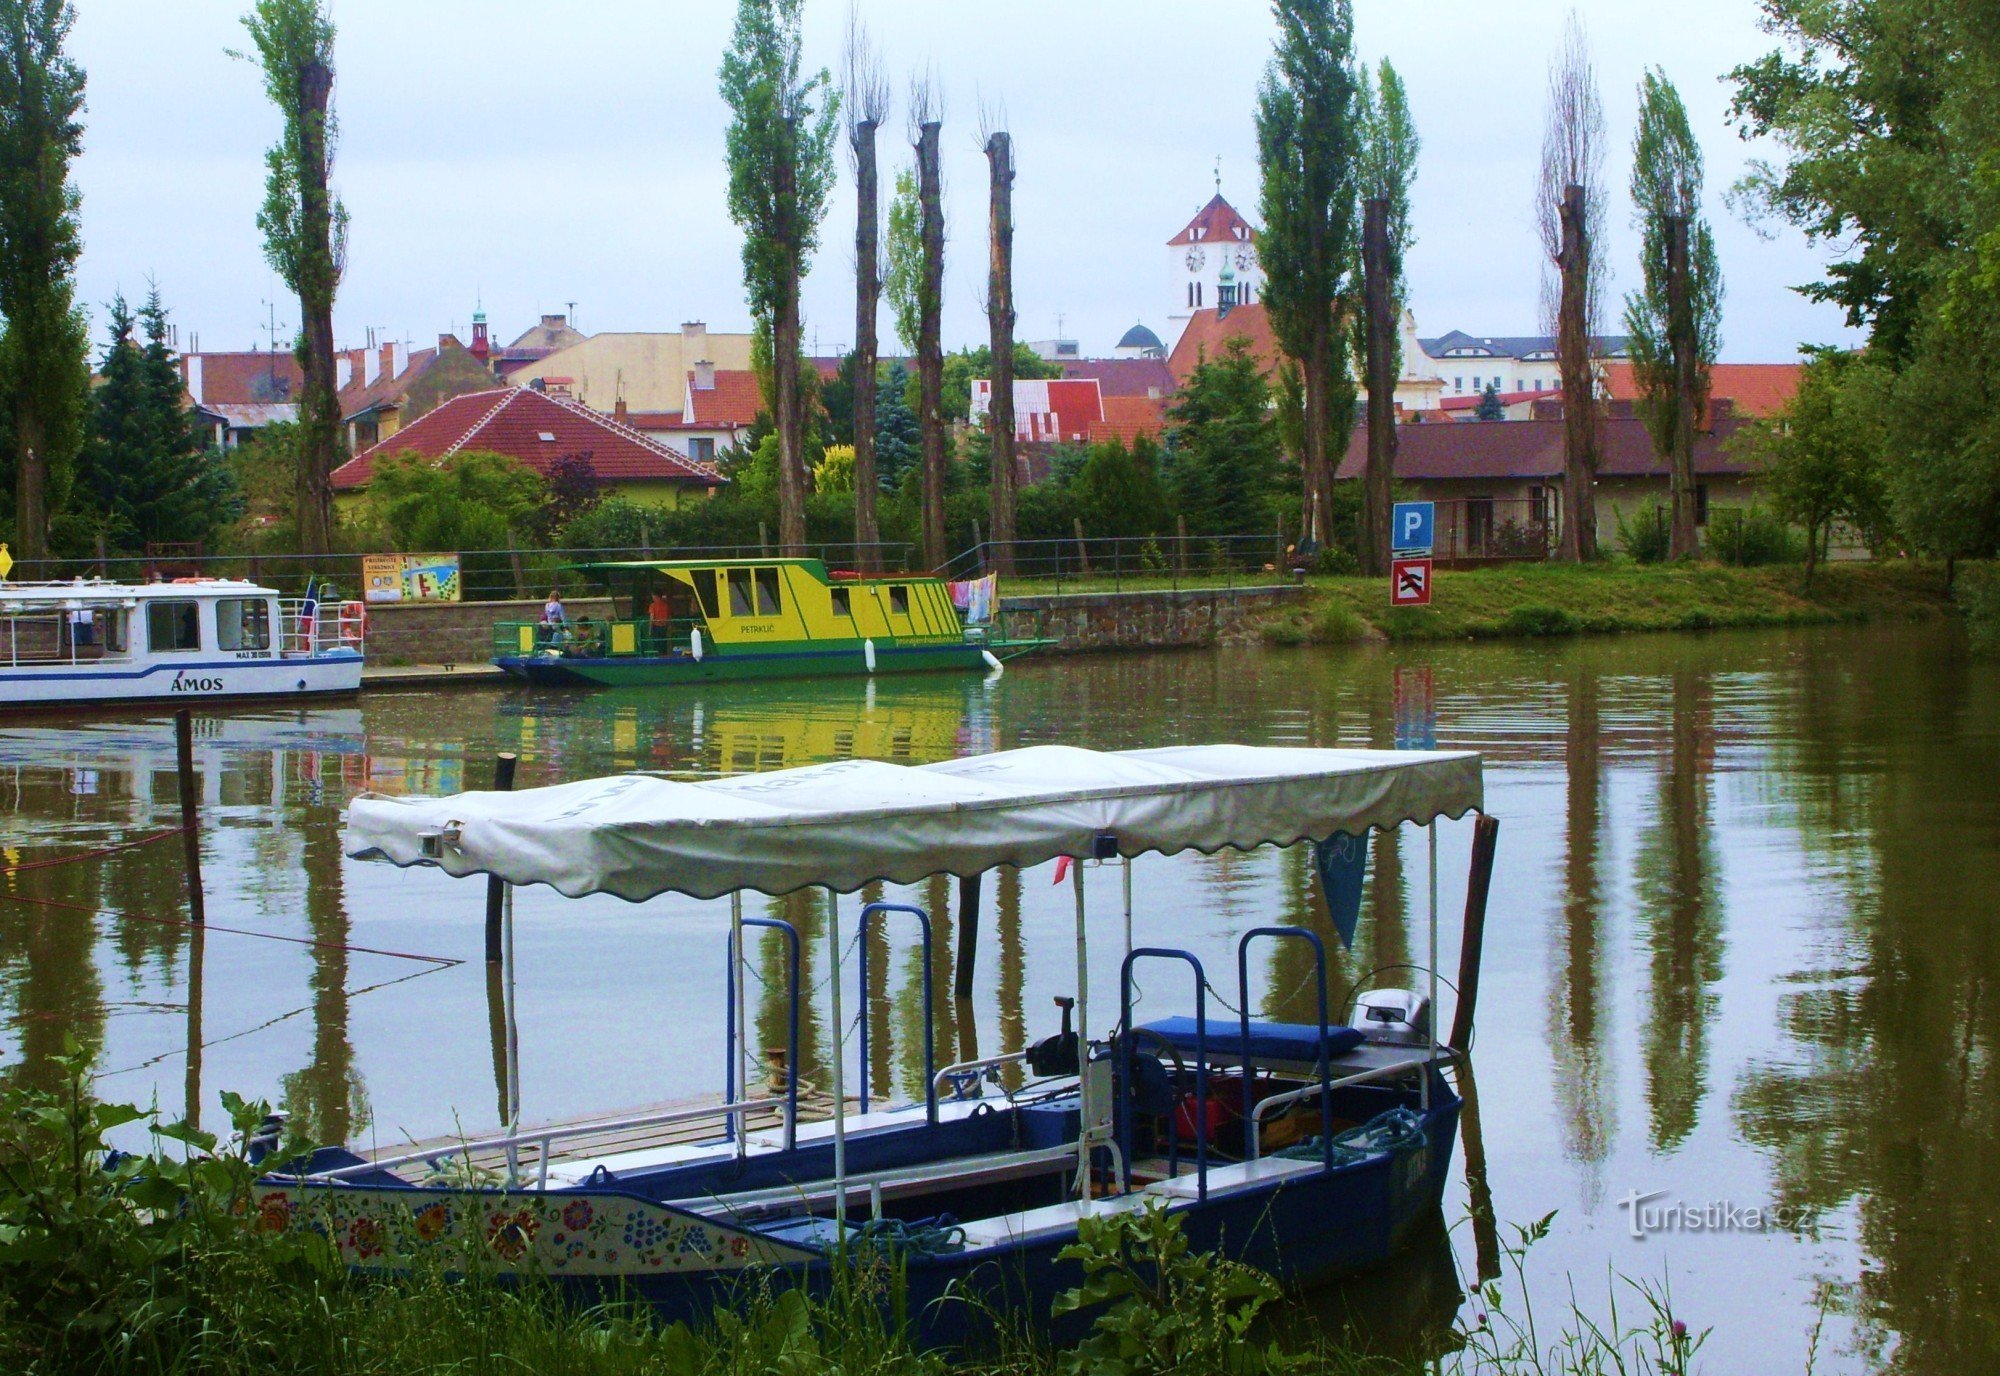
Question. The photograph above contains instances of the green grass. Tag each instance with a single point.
(1559, 599)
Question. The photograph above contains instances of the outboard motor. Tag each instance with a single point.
(264, 1138)
(1401, 1016)
(1057, 1055)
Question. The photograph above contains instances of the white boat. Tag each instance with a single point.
(91, 641)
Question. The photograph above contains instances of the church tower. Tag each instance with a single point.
(1216, 240)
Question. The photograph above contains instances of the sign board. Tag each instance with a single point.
(1410, 582)
(1412, 527)
(409, 577)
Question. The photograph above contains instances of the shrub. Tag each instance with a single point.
(1542, 621)
(1336, 624)
(1978, 593)
(1648, 538)
(1750, 536)
(1335, 561)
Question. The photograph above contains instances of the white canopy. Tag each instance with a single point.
(843, 824)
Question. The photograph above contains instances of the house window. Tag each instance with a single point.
(702, 450)
(768, 601)
(173, 626)
(1197, 294)
(1458, 384)
(843, 602)
(243, 623)
(1190, 296)
(704, 589)
(899, 600)
(739, 592)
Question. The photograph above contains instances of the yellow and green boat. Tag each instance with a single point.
(695, 621)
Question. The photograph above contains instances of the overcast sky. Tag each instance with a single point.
(529, 155)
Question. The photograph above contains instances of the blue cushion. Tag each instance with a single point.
(1269, 1041)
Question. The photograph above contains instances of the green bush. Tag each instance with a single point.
(1542, 621)
(1978, 593)
(1750, 537)
(1648, 538)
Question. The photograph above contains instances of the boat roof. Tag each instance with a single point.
(815, 565)
(16, 596)
(847, 823)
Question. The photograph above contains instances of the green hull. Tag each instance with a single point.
(631, 671)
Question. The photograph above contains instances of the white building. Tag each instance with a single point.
(1514, 365)
(1212, 263)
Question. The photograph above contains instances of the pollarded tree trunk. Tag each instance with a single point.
(1378, 295)
(1685, 540)
(867, 296)
(31, 489)
(930, 351)
(1579, 383)
(319, 399)
(789, 416)
(1000, 322)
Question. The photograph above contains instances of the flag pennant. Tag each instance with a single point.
(1342, 862)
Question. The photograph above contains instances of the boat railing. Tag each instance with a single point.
(730, 1057)
(1250, 1128)
(324, 629)
(869, 914)
(955, 1077)
(46, 635)
(1200, 1114)
(543, 1138)
(1266, 1107)
(603, 639)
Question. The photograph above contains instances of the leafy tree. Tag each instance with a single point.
(834, 475)
(44, 368)
(966, 366)
(780, 147)
(1389, 147)
(1884, 110)
(147, 473)
(1224, 446)
(1675, 318)
(1822, 456)
(904, 275)
(472, 501)
(1308, 148)
(1117, 493)
(305, 232)
(570, 489)
(1490, 406)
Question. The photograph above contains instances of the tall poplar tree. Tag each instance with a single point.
(1308, 145)
(44, 367)
(1389, 148)
(1675, 318)
(926, 116)
(1570, 204)
(866, 101)
(305, 233)
(1000, 331)
(780, 147)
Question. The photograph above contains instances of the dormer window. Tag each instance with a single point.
(547, 437)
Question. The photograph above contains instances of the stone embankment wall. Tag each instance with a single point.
(462, 632)
(1155, 620)
(453, 632)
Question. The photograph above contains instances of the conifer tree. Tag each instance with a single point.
(1224, 440)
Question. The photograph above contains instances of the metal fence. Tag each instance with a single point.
(1140, 563)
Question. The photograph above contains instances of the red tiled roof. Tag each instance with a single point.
(1216, 220)
(1503, 449)
(1207, 332)
(1124, 377)
(1127, 418)
(734, 400)
(358, 396)
(246, 377)
(512, 421)
(1757, 389)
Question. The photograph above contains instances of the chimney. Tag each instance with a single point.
(704, 375)
(385, 364)
(343, 370)
(694, 338)
(555, 322)
(388, 420)
(193, 362)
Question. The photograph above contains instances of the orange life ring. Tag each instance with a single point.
(353, 622)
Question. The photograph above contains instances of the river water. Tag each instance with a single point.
(1740, 959)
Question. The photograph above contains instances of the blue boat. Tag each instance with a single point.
(1308, 1150)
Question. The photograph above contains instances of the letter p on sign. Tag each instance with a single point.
(1410, 527)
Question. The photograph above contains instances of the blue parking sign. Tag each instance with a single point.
(1411, 526)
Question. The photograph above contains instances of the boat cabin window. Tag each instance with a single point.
(843, 601)
(704, 588)
(899, 600)
(243, 623)
(172, 626)
(739, 592)
(768, 601)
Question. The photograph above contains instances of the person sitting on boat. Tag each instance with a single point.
(588, 640)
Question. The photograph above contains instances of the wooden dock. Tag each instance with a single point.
(430, 675)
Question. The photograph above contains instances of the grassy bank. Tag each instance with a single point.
(1559, 599)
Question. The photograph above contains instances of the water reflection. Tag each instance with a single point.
(1741, 871)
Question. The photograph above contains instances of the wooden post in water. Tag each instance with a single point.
(968, 934)
(1485, 836)
(496, 888)
(190, 817)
